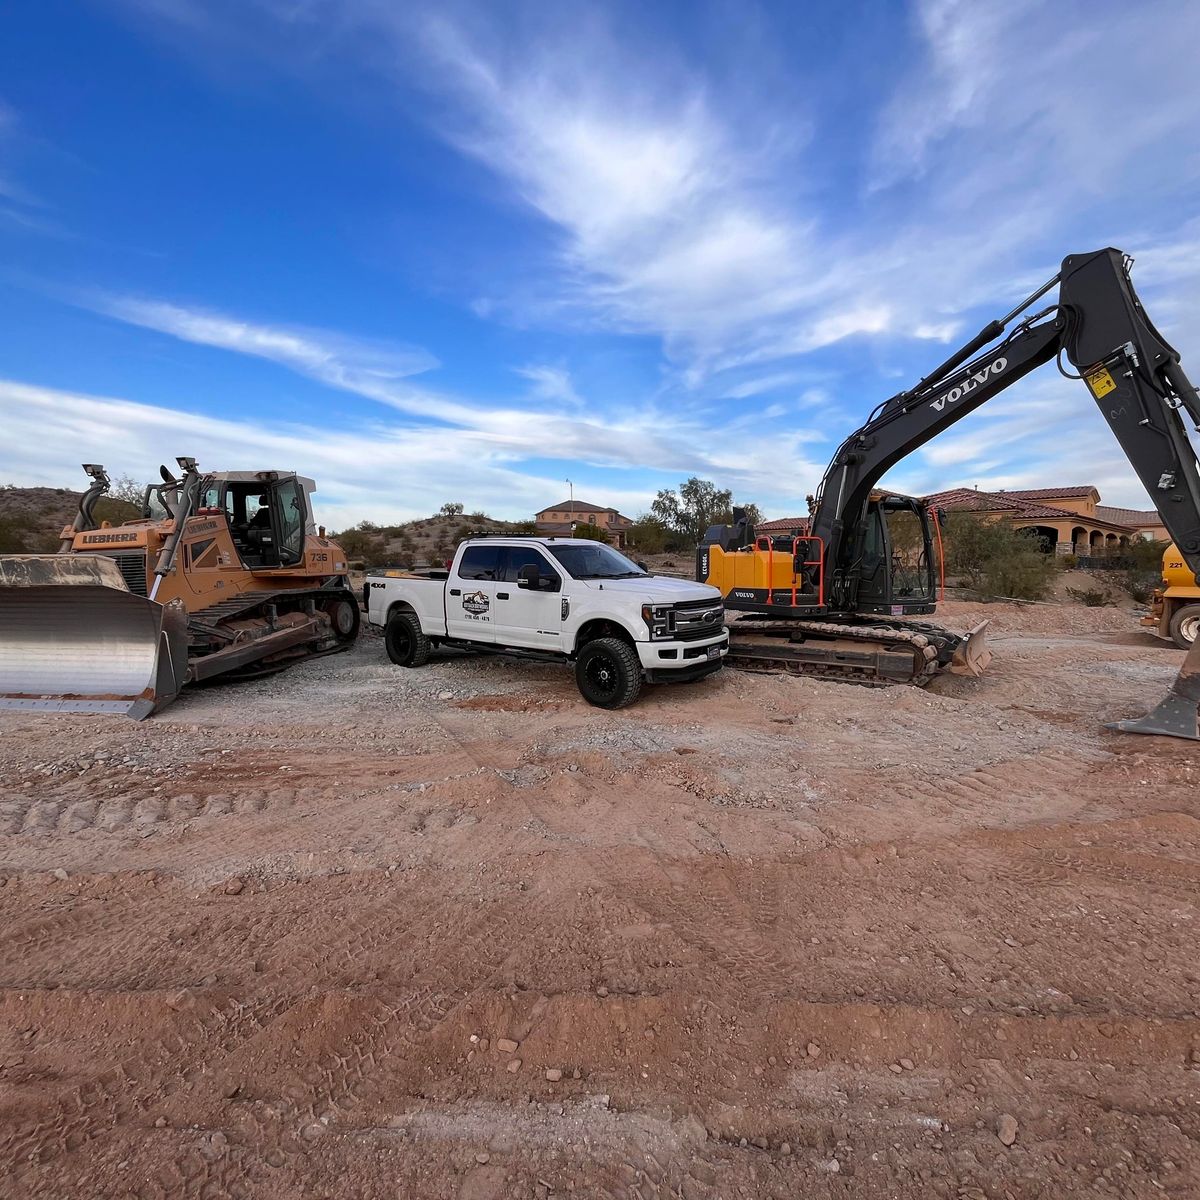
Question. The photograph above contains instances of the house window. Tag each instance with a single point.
(591, 518)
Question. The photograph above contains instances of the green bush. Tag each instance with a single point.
(648, 535)
(592, 532)
(993, 558)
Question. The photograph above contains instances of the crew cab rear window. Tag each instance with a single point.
(525, 556)
(481, 562)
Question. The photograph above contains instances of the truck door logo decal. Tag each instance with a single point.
(476, 603)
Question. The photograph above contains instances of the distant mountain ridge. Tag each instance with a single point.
(31, 518)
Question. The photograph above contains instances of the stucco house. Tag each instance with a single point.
(562, 518)
(1069, 520)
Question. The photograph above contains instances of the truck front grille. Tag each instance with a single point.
(698, 619)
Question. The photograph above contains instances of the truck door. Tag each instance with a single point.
(529, 613)
(471, 593)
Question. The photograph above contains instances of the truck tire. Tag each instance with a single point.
(609, 673)
(1185, 625)
(406, 645)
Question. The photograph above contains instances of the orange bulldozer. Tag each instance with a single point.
(223, 575)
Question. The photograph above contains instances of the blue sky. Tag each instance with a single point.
(467, 251)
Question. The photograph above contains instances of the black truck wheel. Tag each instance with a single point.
(1185, 625)
(406, 645)
(609, 673)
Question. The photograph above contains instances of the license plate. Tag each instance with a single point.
(714, 652)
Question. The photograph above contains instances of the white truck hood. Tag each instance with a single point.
(656, 589)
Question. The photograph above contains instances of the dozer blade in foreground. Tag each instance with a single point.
(73, 638)
(971, 656)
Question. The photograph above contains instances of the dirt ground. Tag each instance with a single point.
(757, 936)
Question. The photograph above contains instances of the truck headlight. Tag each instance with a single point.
(660, 620)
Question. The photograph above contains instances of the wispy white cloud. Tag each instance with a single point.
(384, 469)
(375, 369)
(550, 420)
(551, 384)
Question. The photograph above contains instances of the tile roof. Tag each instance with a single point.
(1128, 516)
(577, 506)
(782, 525)
(1078, 492)
(970, 500)
(1016, 503)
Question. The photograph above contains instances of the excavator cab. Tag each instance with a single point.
(899, 566)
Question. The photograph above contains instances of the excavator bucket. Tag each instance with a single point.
(74, 638)
(972, 656)
(1178, 713)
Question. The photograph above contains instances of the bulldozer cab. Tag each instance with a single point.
(897, 567)
(267, 517)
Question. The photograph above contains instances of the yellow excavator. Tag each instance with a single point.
(224, 575)
(835, 598)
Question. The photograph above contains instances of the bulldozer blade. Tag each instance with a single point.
(1178, 713)
(972, 656)
(73, 638)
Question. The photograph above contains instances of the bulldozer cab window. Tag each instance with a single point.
(289, 515)
(266, 520)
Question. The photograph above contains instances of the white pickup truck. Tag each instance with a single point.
(565, 599)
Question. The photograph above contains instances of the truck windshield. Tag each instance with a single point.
(597, 561)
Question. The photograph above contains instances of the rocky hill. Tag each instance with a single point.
(424, 542)
(31, 518)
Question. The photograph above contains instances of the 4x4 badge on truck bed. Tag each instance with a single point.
(476, 602)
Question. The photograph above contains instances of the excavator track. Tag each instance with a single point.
(880, 653)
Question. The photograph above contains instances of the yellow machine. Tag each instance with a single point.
(223, 575)
(791, 625)
(1175, 607)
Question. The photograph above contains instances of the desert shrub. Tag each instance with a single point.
(363, 546)
(592, 532)
(1092, 597)
(648, 534)
(993, 558)
(1069, 562)
(1144, 571)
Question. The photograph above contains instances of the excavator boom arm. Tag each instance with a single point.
(1133, 374)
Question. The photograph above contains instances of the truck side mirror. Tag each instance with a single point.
(641, 566)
